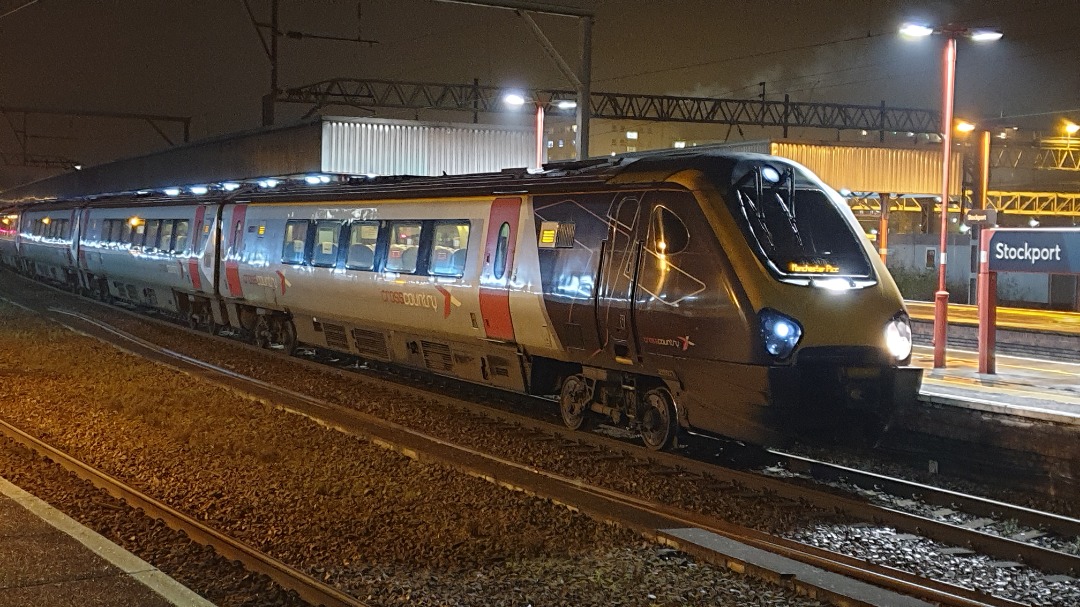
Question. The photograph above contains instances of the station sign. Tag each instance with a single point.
(1047, 251)
(981, 217)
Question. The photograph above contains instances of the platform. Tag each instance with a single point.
(1037, 389)
(47, 558)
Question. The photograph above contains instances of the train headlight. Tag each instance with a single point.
(898, 337)
(779, 332)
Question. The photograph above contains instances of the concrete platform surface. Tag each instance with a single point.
(47, 558)
(1046, 390)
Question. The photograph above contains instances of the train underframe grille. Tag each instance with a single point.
(335, 337)
(437, 356)
(371, 343)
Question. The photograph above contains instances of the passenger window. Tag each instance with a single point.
(324, 253)
(116, 230)
(363, 237)
(165, 236)
(125, 232)
(404, 244)
(450, 245)
(292, 250)
(501, 249)
(180, 233)
(153, 226)
(65, 230)
(667, 233)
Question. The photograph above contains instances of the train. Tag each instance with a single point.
(680, 291)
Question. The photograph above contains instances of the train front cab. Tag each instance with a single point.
(668, 286)
(830, 340)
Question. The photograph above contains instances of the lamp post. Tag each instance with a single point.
(948, 84)
(518, 100)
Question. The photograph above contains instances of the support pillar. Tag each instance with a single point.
(987, 307)
(883, 226)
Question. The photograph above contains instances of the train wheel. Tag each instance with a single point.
(285, 331)
(574, 401)
(262, 332)
(658, 423)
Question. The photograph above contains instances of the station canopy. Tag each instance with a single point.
(325, 145)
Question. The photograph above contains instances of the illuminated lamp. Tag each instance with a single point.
(46, 220)
(268, 183)
(135, 222)
(172, 191)
(964, 126)
(916, 30)
(230, 186)
(985, 35)
(199, 190)
(948, 89)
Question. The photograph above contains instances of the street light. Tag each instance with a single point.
(518, 100)
(948, 77)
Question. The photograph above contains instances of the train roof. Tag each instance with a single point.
(627, 170)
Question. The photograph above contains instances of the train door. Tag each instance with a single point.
(499, 246)
(77, 238)
(617, 281)
(196, 248)
(234, 245)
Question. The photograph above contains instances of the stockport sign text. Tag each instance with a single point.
(1044, 251)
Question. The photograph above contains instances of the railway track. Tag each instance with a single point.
(307, 587)
(590, 448)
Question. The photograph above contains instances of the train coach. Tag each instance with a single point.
(700, 290)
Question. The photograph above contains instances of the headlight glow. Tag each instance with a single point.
(780, 333)
(898, 337)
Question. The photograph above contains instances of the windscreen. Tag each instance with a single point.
(794, 224)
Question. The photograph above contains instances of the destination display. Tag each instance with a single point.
(1044, 251)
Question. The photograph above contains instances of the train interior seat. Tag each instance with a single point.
(408, 259)
(361, 256)
(457, 262)
(325, 254)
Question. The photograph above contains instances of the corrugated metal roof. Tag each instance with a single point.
(397, 147)
(354, 146)
(755, 147)
(875, 169)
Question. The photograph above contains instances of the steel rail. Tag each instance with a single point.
(837, 563)
(935, 496)
(307, 587)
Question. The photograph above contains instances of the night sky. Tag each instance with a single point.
(203, 58)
